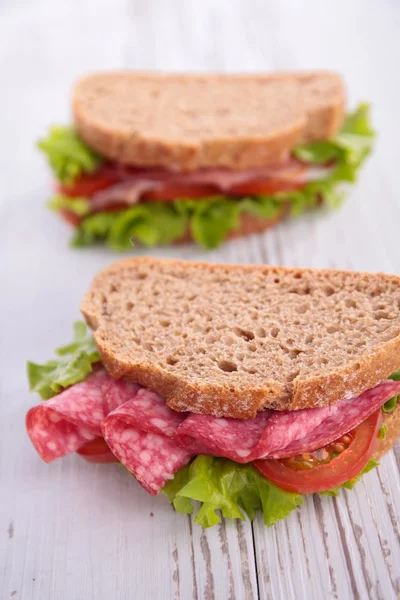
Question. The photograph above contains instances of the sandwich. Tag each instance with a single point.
(228, 388)
(161, 158)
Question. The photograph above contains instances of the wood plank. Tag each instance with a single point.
(335, 546)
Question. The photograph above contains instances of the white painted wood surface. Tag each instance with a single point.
(73, 531)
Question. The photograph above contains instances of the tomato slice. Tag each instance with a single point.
(97, 451)
(301, 476)
(267, 186)
(70, 217)
(86, 185)
(172, 191)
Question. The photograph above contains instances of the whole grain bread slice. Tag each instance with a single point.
(392, 422)
(186, 122)
(230, 340)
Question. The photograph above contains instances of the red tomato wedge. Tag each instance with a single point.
(267, 186)
(86, 185)
(172, 191)
(97, 451)
(303, 478)
(70, 217)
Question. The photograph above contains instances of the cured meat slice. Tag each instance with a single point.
(153, 459)
(232, 438)
(154, 442)
(287, 427)
(133, 184)
(139, 434)
(275, 434)
(126, 193)
(338, 419)
(147, 411)
(68, 421)
(218, 176)
(64, 423)
(117, 392)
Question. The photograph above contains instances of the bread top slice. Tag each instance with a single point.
(186, 122)
(230, 340)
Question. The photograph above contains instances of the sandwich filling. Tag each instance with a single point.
(236, 466)
(123, 205)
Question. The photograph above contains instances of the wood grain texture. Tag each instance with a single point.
(70, 530)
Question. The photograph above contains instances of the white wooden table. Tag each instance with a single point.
(72, 531)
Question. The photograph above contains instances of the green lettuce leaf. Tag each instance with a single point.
(395, 376)
(391, 404)
(79, 206)
(348, 148)
(236, 490)
(231, 488)
(382, 432)
(267, 207)
(212, 220)
(358, 122)
(73, 364)
(68, 155)
(181, 504)
(148, 225)
(95, 228)
(158, 223)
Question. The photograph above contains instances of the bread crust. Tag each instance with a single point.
(392, 422)
(312, 109)
(357, 376)
(349, 381)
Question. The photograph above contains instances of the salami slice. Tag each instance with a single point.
(64, 423)
(340, 418)
(154, 442)
(232, 438)
(133, 184)
(117, 392)
(139, 434)
(274, 434)
(68, 421)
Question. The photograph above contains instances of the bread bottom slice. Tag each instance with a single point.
(392, 422)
